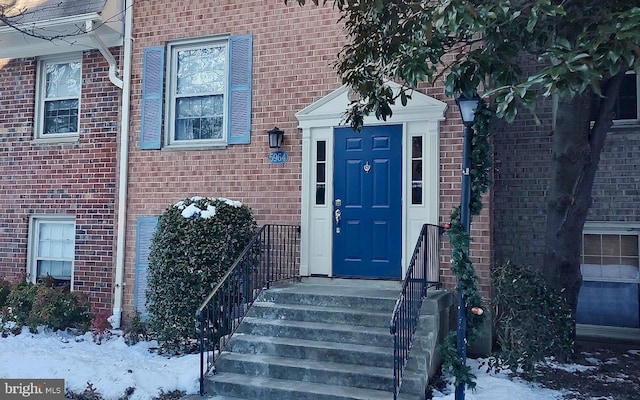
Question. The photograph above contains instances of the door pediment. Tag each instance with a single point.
(330, 109)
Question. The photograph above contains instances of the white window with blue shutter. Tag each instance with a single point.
(207, 96)
(145, 228)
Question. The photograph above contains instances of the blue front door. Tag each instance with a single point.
(367, 223)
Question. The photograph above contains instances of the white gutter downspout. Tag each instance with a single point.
(113, 65)
(116, 318)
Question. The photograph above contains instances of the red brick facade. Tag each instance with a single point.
(73, 178)
(294, 49)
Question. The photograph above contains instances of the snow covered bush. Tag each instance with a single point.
(195, 242)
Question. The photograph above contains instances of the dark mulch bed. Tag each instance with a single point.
(599, 371)
(613, 373)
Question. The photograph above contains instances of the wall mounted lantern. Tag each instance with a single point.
(276, 138)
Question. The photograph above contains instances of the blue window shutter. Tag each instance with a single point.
(240, 49)
(152, 85)
(145, 228)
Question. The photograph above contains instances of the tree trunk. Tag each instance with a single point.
(576, 152)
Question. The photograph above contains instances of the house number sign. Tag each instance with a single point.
(278, 157)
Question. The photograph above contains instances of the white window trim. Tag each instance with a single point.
(613, 228)
(171, 79)
(633, 122)
(421, 181)
(40, 98)
(32, 252)
(605, 331)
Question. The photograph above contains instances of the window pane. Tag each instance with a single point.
(55, 241)
(416, 170)
(320, 173)
(611, 245)
(61, 116)
(66, 268)
(416, 193)
(591, 244)
(592, 260)
(199, 118)
(201, 71)
(56, 269)
(627, 109)
(416, 148)
(322, 150)
(610, 260)
(320, 190)
(633, 261)
(629, 245)
(44, 268)
(68, 248)
(45, 247)
(626, 106)
(63, 80)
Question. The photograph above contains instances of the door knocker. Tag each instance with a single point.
(367, 167)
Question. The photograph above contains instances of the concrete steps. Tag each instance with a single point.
(322, 339)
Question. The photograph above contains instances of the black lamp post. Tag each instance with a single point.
(276, 138)
(467, 110)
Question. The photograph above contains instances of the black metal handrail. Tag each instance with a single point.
(423, 272)
(273, 254)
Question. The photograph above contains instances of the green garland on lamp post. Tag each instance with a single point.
(461, 265)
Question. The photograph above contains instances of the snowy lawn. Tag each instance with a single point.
(111, 367)
(492, 386)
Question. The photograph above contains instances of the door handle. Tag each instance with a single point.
(338, 216)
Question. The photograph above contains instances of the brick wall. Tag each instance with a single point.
(294, 50)
(522, 160)
(616, 190)
(60, 178)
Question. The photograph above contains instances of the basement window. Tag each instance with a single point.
(52, 248)
(610, 266)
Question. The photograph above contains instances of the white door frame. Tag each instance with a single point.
(420, 117)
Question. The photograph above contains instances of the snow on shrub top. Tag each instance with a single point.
(192, 211)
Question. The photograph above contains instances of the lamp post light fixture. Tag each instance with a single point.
(467, 111)
(276, 138)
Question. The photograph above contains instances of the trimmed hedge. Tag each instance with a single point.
(195, 243)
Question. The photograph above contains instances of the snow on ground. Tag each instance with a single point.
(492, 386)
(111, 367)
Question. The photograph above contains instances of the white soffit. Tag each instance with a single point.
(66, 19)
